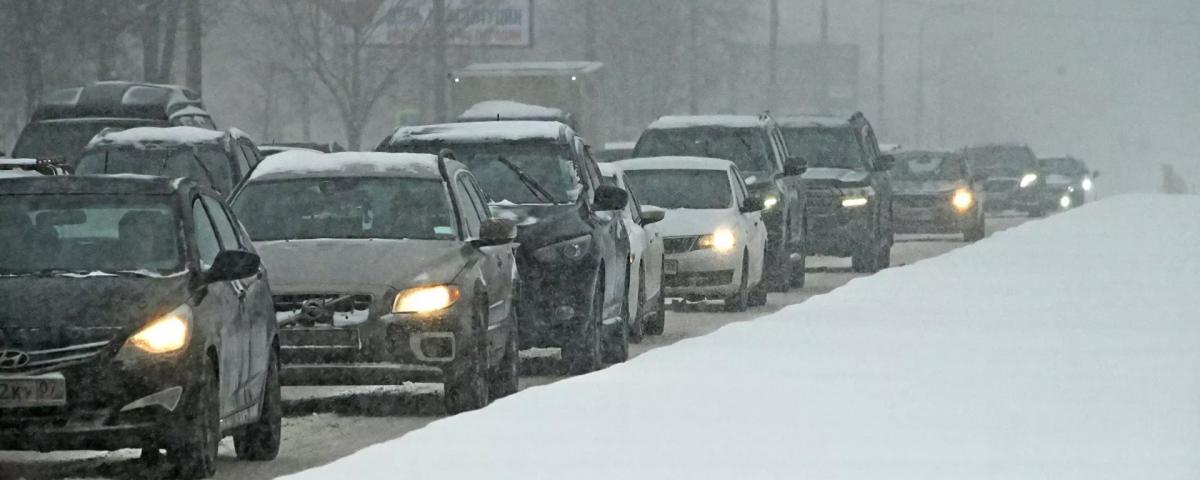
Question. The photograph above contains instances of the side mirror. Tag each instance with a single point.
(652, 215)
(753, 204)
(885, 163)
(609, 197)
(1095, 174)
(233, 265)
(496, 231)
(794, 166)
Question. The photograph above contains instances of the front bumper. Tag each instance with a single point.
(556, 300)
(930, 214)
(836, 230)
(704, 272)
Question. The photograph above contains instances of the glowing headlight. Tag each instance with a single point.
(855, 201)
(167, 334)
(962, 199)
(425, 299)
(721, 240)
(1065, 201)
(770, 202)
(1086, 184)
(1028, 180)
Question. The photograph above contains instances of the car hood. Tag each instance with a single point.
(925, 187)
(686, 221)
(834, 176)
(540, 225)
(353, 265)
(119, 302)
(1058, 179)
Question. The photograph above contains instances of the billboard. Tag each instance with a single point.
(493, 23)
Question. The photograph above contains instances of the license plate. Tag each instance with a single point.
(670, 267)
(33, 391)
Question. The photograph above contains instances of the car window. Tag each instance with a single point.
(590, 169)
(827, 147)
(207, 165)
(633, 206)
(251, 153)
(739, 186)
(746, 147)
(471, 216)
(549, 165)
(694, 189)
(207, 245)
(477, 198)
(228, 234)
(243, 161)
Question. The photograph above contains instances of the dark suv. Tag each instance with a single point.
(218, 160)
(850, 193)
(134, 314)
(755, 145)
(540, 175)
(65, 120)
(1014, 180)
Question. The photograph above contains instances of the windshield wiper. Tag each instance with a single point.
(529, 182)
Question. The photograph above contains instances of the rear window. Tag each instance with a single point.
(695, 189)
(746, 147)
(208, 166)
(64, 140)
(826, 147)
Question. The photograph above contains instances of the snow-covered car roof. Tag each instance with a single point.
(672, 163)
(528, 68)
(690, 121)
(482, 132)
(301, 163)
(268, 150)
(801, 121)
(160, 137)
(620, 145)
(18, 162)
(508, 109)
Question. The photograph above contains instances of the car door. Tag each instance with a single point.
(652, 244)
(752, 228)
(472, 219)
(793, 188)
(252, 292)
(221, 309)
(608, 234)
(880, 179)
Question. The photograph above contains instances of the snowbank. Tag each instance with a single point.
(1067, 348)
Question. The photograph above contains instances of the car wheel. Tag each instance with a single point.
(977, 231)
(582, 353)
(657, 320)
(864, 260)
(758, 295)
(466, 388)
(780, 273)
(194, 454)
(505, 380)
(799, 270)
(260, 440)
(740, 301)
(638, 331)
(616, 342)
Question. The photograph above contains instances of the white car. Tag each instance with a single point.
(644, 278)
(715, 237)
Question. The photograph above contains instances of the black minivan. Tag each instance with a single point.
(134, 313)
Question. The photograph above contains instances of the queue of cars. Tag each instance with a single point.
(213, 274)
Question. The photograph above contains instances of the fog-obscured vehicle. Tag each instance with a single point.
(1068, 182)
(1013, 180)
(644, 277)
(614, 151)
(280, 147)
(388, 268)
(567, 92)
(135, 315)
(850, 198)
(541, 175)
(937, 192)
(218, 160)
(33, 165)
(715, 238)
(756, 146)
(66, 120)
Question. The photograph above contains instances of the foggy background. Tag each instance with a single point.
(1109, 81)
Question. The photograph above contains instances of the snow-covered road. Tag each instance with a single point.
(326, 424)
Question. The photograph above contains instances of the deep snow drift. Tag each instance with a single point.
(1067, 348)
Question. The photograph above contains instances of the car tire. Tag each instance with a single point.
(976, 232)
(616, 338)
(466, 387)
(194, 453)
(656, 322)
(638, 331)
(260, 440)
(800, 269)
(864, 260)
(740, 300)
(758, 295)
(506, 378)
(582, 353)
(780, 273)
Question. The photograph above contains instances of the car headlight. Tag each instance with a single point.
(857, 197)
(1028, 180)
(722, 240)
(570, 250)
(1065, 201)
(962, 199)
(166, 334)
(770, 201)
(426, 299)
(1086, 184)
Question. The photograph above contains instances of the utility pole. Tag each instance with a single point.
(773, 55)
(824, 21)
(694, 45)
(439, 60)
(880, 96)
(195, 46)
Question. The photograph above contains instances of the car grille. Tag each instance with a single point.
(1001, 185)
(327, 308)
(915, 201)
(34, 362)
(823, 199)
(699, 279)
(679, 244)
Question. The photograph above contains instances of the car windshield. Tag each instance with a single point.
(746, 147)
(694, 189)
(1062, 166)
(1002, 161)
(207, 165)
(549, 165)
(824, 147)
(347, 207)
(929, 166)
(82, 234)
(62, 139)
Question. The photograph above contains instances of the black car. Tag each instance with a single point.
(67, 119)
(1067, 182)
(936, 192)
(388, 268)
(849, 191)
(134, 314)
(756, 145)
(218, 160)
(1013, 180)
(540, 175)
